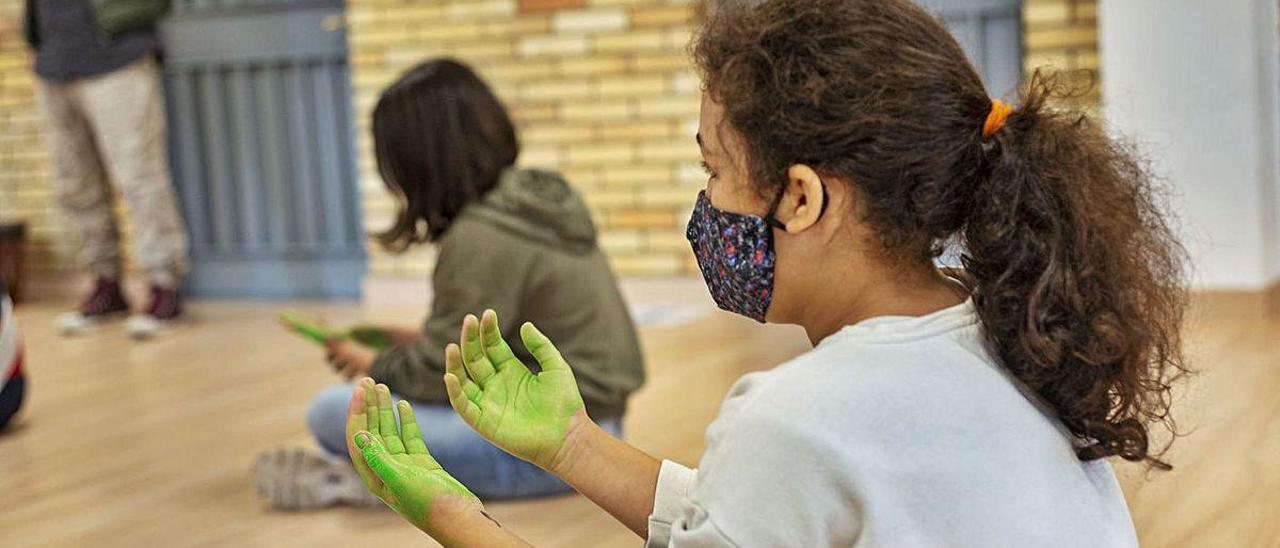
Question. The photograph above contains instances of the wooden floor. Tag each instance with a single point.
(149, 444)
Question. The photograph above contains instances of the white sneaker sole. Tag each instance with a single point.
(298, 479)
(69, 324)
(142, 326)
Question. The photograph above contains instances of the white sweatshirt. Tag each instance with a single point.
(896, 431)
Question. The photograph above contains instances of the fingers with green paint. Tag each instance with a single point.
(317, 333)
(395, 463)
(528, 415)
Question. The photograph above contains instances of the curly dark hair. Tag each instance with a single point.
(1074, 269)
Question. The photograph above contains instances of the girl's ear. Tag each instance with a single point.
(803, 199)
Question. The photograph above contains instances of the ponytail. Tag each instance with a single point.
(1077, 276)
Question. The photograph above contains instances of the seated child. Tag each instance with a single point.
(516, 240)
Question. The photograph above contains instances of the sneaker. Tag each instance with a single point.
(165, 306)
(298, 479)
(105, 301)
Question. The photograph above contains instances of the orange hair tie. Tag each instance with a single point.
(1000, 112)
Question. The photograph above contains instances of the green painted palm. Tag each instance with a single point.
(526, 414)
(394, 463)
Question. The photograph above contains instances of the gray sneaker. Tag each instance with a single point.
(299, 479)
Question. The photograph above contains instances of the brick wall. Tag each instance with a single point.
(1063, 35)
(600, 89)
(24, 169)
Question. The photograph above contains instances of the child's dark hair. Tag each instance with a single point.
(1076, 275)
(441, 139)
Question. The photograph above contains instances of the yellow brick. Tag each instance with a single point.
(1056, 59)
(644, 62)
(595, 111)
(589, 21)
(668, 151)
(583, 178)
(621, 241)
(686, 82)
(646, 264)
(518, 26)
(611, 199)
(678, 105)
(1086, 11)
(594, 65)
(600, 154)
(563, 89)
(476, 51)
(675, 197)
(635, 130)
(1086, 60)
(525, 70)
(558, 133)
(481, 9)
(677, 39)
(552, 45)
(540, 156)
(1063, 38)
(1048, 13)
(528, 113)
(648, 16)
(618, 2)
(630, 86)
(449, 32)
(636, 175)
(673, 241)
(648, 40)
(640, 219)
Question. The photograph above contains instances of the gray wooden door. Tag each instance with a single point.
(261, 144)
(990, 31)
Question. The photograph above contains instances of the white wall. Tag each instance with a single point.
(1196, 82)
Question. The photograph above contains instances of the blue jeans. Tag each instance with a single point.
(489, 472)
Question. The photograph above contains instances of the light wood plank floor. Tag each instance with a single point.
(128, 444)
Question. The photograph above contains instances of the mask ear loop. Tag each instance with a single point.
(772, 221)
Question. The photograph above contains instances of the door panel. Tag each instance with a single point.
(262, 146)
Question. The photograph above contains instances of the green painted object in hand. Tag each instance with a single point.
(525, 414)
(396, 467)
(368, 335)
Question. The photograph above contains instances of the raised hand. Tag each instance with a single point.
(396, 466)
(527, 415)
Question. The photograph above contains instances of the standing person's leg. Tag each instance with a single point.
(126, 110)
(80, 185)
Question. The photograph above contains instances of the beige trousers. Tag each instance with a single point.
(112, 127)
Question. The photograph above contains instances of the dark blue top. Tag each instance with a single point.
(72, 47)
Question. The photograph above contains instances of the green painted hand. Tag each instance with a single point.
(527, 415)
(397, 468)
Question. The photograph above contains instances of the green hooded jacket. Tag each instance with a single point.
(527, 250)
(113, 16)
